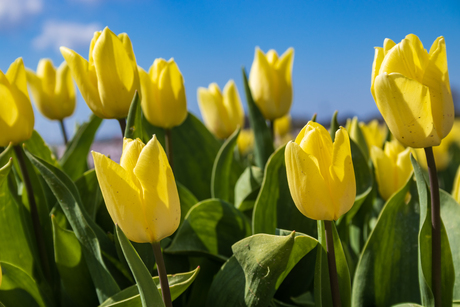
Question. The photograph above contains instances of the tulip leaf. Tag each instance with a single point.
(134, 128)
(334, 125)
(71, 264)
(210, 228)
(38, 147)
(389, 258)
(221, 171)
(424, 245)
(257, 268)
(88, 233)
(141, 274)
(130, 297)
(323, 295)
(357, 135)
(263, 140)
(74, 161)
(407, 305)
(90, 192)
(274, 207)
(247, 188)
(187, 200)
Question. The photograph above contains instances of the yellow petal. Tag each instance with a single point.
(155, 70)
(131, 151)
(404, 166)
(456, 188)
(232, 103)
(283, 125)
(212, 109)
(378, 58)
(65, 91)
(284, 80)
(385, 172)
(16, 75)
(387, 45)
(126, 41)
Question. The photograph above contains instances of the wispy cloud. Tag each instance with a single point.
(69, 34)
(13, 12)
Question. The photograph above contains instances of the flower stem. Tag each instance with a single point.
(162, 274)
(168, 143)
(435, 228)
(333, 278)
(33, 212)
(271, 126)
(122, 122)
(64, 134)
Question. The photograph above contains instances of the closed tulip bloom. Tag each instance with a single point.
(52, 89)
(16, 113)
(392, 167)
(110, 78)
(140, 193)
(282, 129)
(222, 114)
(320, 173)
(245, 141)
(374, 133)
(412, 91)
(270, 81)
(163, 94)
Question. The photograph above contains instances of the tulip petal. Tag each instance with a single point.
(387, 45)
(131, 151)
(308, 188)
(232, 103)
(161, 199)
(47, 73)
(65, 91)
(284, 80)
(122, 198)
(213, 111)
(126, 41)
(406, 106)
(16, 74)
(378, 58)
(404, 166)
(385, 172)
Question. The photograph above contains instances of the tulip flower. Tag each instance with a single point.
(222, 114)
(412, 91)
(320, 173)
(16, 113)
(282, 130)
(245, 141)
(270, 81)
(163, 94)
(456, 187)
(392, 167)
(374, 133)
(140, 193)
(110, 78)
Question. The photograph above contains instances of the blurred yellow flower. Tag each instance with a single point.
(270, 81)
(456, 187)
(53, 90)
(222, 114)
(412, 91)
(110, 78)
(140, 193)
(320, 173)
(245, 141)
(16, 113)
(283, 130)
(374, 133)
(163, 94)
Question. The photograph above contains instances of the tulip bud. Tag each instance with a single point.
(16, 113)
(221, 114)
(270, 81)
(282, 129)
(412, 91)
(374, 133)
(245, 141)
(53, 90)
(320, 173)
(392, 167)
(140, 193)
(108, 81)
(163, 94)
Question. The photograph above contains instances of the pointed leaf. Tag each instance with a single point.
(134, 128)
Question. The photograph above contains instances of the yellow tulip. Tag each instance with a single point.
(282, 128)
(270, 81)
(140, 193)
(392, 167)
(412, 91)
(222, 114)
(245, 141)
(109, 79)
(456, 187)
(53, 90)
(16, 113)
(374, 133)
(320, 173)
(163, 94)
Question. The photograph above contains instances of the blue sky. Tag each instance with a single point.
(212, 40)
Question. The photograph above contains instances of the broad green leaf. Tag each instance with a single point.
(322, 283)
(38, 147)
(90, 193)
(247, 188)
(144, 281)
(210, 228)
(274, 207)
(74, 161)
(259, 265)
(263, 141)
(187, 200)
(424, 245)
(130, 297)
(134, 128)
(407, 305)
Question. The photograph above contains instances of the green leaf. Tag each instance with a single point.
(91, 196)
(134, 128)
(38, 147)
(274, 207)
(357, 135)
(74, 161)
(247, 188)
(130, 297)
(142, 276)
(334, 125)
(259, 265)
(323, 296)
(221, 171)
(263, 141)
(187, 200)
(210, 228)
(407, 305)
(424, 252)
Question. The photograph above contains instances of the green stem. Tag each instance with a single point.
(271, 126)
(166, 294)
(333, 278)
(64, 134)
(435, 228)
(33, 212)
(168, 144)
(122, 122)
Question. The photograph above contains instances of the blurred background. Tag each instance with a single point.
(212, 40)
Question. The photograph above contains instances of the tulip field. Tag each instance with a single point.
(216, 213)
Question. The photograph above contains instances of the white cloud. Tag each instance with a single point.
(12, 12)
(69, 34)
